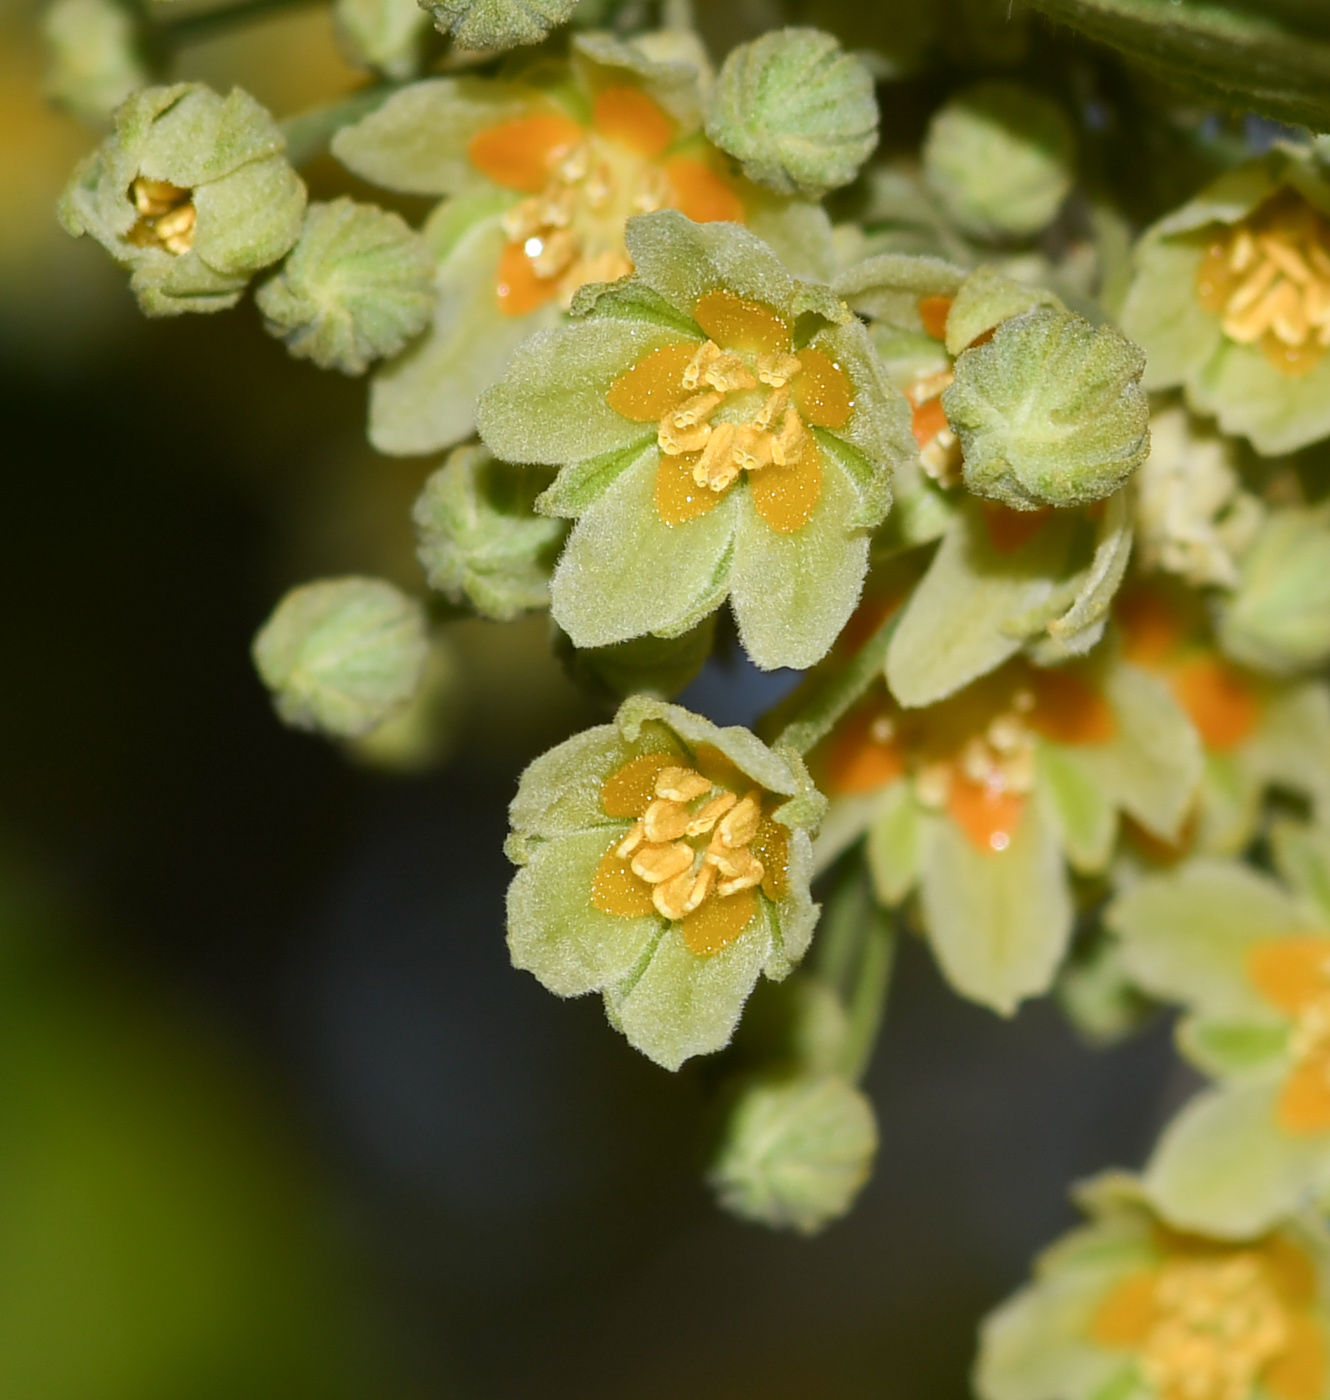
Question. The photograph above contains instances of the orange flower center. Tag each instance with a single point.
(1268, 279)
(741, 402)
(583, 185)
(939, 447)
(697, 851)
(1294, 975)
(972, 756)
(166, 216)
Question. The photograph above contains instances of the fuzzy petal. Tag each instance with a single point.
(893, 845)
(999, 923)
(625, 572)
(1162, 313)
(1078, 806)
(1251, 398)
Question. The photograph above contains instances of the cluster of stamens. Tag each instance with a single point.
(166, 216)
(571, 233)
(999, 760)
(939, 447)
(775, 435)
(1218, 1323)
(665, 850)
(1269, 281)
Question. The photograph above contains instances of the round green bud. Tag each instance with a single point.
(342, 655)
(1278, 617)
(95, 56)
(481, 541)
(357, 286)
(1000, 159)
(497, 24)
(796, 1152)
(421, 735)
(387, 36)
(192, 193)
(796, 110)
(1050, 411)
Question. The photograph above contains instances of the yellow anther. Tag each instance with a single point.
(694, 410)
(631, 842)
(656, 864)
(739, 825)
(772, 410)
(752, 448)
(717, 468)
(557, 251)
(788, 445)
(681, 784)
(665, 820)
(777, 370)
(929, 386)
(678, 897)
(729, 374)
(710, 813)
(1285, 257)
(707, 354)
(153, 198)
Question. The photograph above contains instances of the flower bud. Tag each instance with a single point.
(796, 1152)
(95, 56)
(387, 36)
(481, 541)
(342, 655)
(357, 286)
(497, 24)
(796, 110)
(1278, 618)
(1050, 411)
(421, 736)
(192, 193)
(1000, 159)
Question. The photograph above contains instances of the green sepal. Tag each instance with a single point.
(987, 298)
(795, 1150)
(1050, 411)
(498, 24)
(795, 110)
(954, 628)
(480, 539)
(1277, 619)
(657, 666)
(1077, 629)
(998, 921)
(356, 287)
(1237, 53)
(1001, 159)
(342, 655)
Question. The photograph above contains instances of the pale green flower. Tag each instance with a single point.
(980, 804)
(1126, 1305)
(1249, 959)
(665, 864)
(1231, 301)
(96, 56)
(192, 193)
(539, 173)
(723, 431)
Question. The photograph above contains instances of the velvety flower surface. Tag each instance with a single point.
(664, 863)
(980, 803)
(1248, 957)
(723, 430)
(539, 173)
(1231, 301)
(1128, 1305)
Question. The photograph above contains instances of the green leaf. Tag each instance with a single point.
(556, 933)
(1050, 411)
(1001, 159)
(1223, 1166)
(998, 921)
(342, 655)
(480, 538)
(498, 24)
(795, 110)
(952, 630)
(357, 286)
(1240, 54)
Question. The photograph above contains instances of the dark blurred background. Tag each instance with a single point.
(276, 1117)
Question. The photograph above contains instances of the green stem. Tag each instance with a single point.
(193, 28)
(308, 133)
(868, 1003)
(831, 695)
